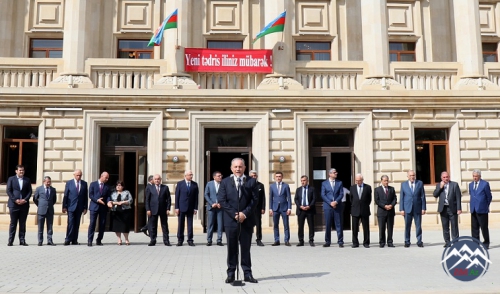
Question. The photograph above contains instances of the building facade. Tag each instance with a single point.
(364, 86)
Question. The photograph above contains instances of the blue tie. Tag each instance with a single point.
(239, 187)
(47, 194)
(188, 185)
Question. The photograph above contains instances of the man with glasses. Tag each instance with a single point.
(213, 208)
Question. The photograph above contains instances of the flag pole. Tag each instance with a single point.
(177, 33)
(283, 33)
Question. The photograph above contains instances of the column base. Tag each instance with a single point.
(475, 83)
(176, 81)
(381, 83)
(279, 82)
(72, 80)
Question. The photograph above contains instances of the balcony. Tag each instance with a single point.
(492, 71)
(329, 75)
(426, 75)
(28, 72)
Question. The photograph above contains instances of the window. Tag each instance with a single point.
(19, 146)
(490, 52)
(312, 50)
(225, 44)
(431, 154)
(401, 51)
(46, 48)
(134, 49)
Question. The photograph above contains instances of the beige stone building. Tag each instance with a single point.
(365, 86)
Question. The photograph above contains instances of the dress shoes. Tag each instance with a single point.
(446, 245)
(51, 243)
(40, 243)
(259, 243)
(75, 243)
(421, 245)
(220, 244)
(209, 243)
(381, 245)
(354, 246)
(300, 244)
(276, 244)
(250, 279)
(311, 243)
(23, 243)
(391, 245)
(326, 245)
(66, 243)
(145, 231)
(407, 245)
(89, 244)
(178, 244)
(366, 246)
(341, 245)
(288, 244)
(98, 243)
(190, 243)
(167, 243)
(229, 279)
(152, 243)
(9, 244)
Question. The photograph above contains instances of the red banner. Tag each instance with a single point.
(226, 60)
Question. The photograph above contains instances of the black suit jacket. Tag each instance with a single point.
(381, 200)
(230, 201)
(361, 207)
(158, 204)
(261, 203)
(15, 192)
(311, 198)
(454, 197)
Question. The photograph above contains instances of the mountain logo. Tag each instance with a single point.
(466, 259)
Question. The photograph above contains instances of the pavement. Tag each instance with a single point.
(141, 269)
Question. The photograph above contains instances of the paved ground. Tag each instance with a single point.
(201, 269)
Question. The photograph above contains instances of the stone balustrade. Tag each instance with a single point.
(492, 71)
(330, 75)
(426, 75)
(28, 72)
(219, 80)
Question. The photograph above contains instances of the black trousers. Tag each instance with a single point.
(365, 221)
(101, 213)
(258, 225)
(301, 219)
(243, 235)
(74, 218)
(182, 223)
(480, 220)
(448, 218)
(153, 227)
(18, 215)
(385, 222)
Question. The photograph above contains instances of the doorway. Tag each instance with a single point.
(124, 157)
(331, 148)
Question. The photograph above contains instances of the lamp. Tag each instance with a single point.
(282, 159)
(13, 146)
(419, 147)
(175, 159)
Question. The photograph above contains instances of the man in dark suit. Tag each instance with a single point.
(332, 192)
(412, 206)
(238, 197)
(186, 206)
(75, 203)
(449, 206)
(280, 204)
(145, 228)
(45, 197)
(19, 191)
(260, 208)
(158, 203)
(385, 198)
(305, 201)
(361, 198)
(99, 194)
(214, 212)
(480, 200)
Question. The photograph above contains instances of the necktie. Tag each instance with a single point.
(100, 187)
(412, 187)
(304, 197)
(360, 190)
(239, 187)
(385, 190)
(78, 186)
(158, 189)
(47, 193)
(333, 184)
(188, 186)
(475, 185)
(279, 188)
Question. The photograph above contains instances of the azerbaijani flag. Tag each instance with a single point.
(277, 25)
(169, 23)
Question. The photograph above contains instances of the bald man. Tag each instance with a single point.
(99, 194)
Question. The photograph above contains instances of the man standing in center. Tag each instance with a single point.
(361, 198)
(99, 194)
(186, 206)
(280, 204)
(158, 202)
(449, 206)
(385, 198)
(260, 209)
(305, 200)
(412, 206)
(75, 202)
(45, 197)
(214, 212)
(332, 191)
(238, 197)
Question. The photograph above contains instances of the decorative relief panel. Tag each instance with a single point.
(312, 17)
(224, 16)
(47, 14)
(487, 18)
(400, 18)
(135, 15)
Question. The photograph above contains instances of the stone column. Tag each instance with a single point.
(74, 75)
(376, 46)
(282, 77)
(173, 44)
(6, 23)
(469, 47)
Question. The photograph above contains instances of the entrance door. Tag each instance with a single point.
(331, 149)
(123, 156)
(222, 146)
